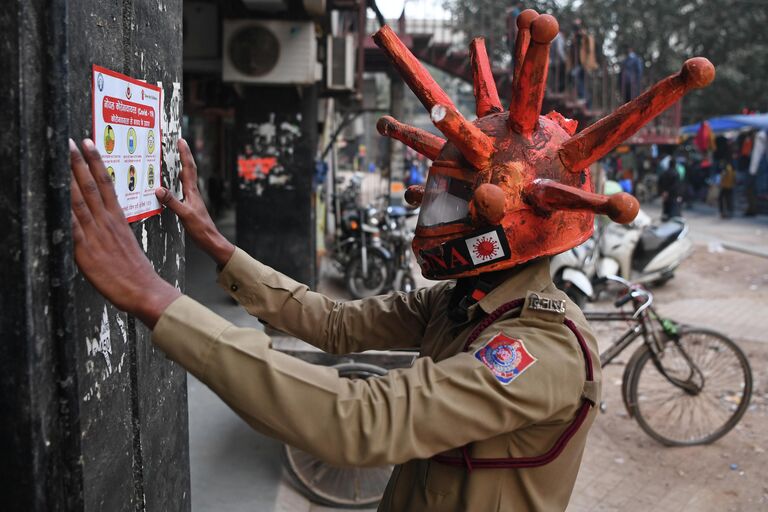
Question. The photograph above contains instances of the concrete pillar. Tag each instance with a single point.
(94, 417)
(277, 127)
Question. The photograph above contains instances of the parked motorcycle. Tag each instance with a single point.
(369, 266)
(398, 237)
(639, 251)
(357, 251)
(642, 252)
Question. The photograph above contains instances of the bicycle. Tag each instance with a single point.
(684, 385)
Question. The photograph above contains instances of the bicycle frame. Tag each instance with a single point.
(643, 328)
(626, 339)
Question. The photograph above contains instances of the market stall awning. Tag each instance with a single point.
(727, 123)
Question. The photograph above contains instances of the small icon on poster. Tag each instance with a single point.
(111, 173)
(131, 178)
(109, 139)
(151, 176)
(131, 140)
(151, 141)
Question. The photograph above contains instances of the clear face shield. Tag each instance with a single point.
(446, 197)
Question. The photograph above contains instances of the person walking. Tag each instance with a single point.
(727, 185)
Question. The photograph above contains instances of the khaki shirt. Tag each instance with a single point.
(448, 399)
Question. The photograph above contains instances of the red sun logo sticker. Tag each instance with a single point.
(485, 248)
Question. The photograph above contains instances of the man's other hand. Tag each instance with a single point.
(106, 249)
(192, 212)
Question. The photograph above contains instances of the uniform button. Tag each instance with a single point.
(233, 287)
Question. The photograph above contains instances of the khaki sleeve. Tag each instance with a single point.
(409, 413)
(397, 320)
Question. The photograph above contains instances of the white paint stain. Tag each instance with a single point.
(288, 127)
(120, 364)
(171, 128)
(144, 237)
(102, 344)
(121, 326)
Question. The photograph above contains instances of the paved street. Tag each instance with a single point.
(724, 285)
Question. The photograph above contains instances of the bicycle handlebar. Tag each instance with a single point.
(633, 292)
(622, 300)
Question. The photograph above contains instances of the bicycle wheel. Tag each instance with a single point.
(704, 394)
(335, 486)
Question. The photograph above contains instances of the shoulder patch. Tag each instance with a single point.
(506, 357)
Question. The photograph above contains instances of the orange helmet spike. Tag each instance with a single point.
(419, 140)
(415, 75)
(524, 20)
(486, 96)
(599, 139)
(470, 140)
(548, 196)
(528, 94)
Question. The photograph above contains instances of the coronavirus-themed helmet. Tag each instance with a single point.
(512, 186)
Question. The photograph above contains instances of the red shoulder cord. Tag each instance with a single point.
(524, 462)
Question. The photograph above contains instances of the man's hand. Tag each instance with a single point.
(192, 212)
(106, 249)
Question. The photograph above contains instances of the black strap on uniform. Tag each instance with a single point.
(468, 291)
(557, 448)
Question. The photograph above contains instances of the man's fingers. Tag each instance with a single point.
(77, 231)
(80, 209)
(100, 176)
(188, 166)
(166, 198)
(88, 188)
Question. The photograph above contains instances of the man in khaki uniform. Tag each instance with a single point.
(494, 415)
(450, 399)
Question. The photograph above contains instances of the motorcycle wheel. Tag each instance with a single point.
(376, 281)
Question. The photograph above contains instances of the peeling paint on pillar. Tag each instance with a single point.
(171, 128)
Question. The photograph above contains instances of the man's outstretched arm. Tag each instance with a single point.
(394, 321)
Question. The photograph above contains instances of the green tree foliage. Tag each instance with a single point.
(733, 34)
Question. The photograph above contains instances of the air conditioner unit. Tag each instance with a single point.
(269, 52)
(340, 63)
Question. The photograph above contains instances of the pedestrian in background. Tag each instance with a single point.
(582, 58)
(631, 75)
(727, 184)
(671, 190)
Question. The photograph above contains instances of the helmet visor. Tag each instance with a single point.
(446, 200)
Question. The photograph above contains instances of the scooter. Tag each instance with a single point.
(573, 271)
(641, 252)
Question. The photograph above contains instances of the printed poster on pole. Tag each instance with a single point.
(126, 131)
